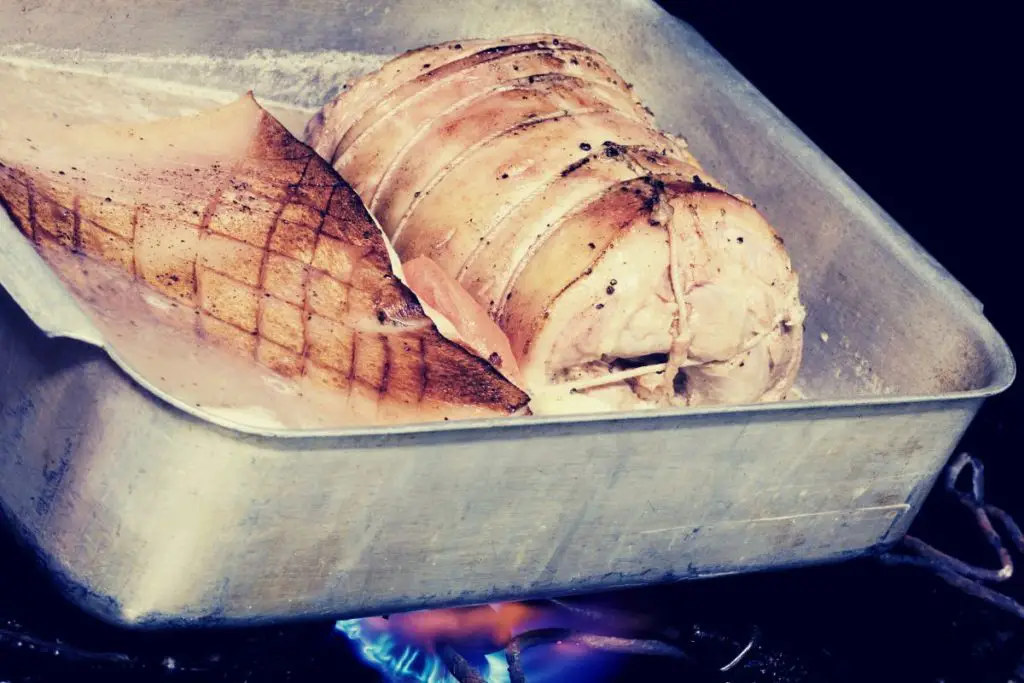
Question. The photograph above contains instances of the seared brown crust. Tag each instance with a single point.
(526, 57)
(274, 251)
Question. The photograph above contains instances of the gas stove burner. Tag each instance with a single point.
(535, 642)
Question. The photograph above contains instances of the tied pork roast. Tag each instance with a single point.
(258, 244)
(526, 171)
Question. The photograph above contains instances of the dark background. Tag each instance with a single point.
(917, 107)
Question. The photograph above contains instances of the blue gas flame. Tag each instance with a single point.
(400, 662)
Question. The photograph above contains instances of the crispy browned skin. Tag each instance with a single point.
(229, 214)
(528, 170)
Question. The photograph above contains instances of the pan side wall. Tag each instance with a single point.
(152, 518)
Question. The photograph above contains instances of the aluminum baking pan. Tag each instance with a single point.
(150, 512)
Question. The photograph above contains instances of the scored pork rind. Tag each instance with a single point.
(227, 214)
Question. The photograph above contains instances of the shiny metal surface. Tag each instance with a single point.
(150, 515)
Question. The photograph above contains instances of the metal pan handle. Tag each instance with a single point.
(965, 577)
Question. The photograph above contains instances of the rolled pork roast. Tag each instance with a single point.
(622, 273)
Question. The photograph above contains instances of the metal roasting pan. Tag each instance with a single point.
(150, 514)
